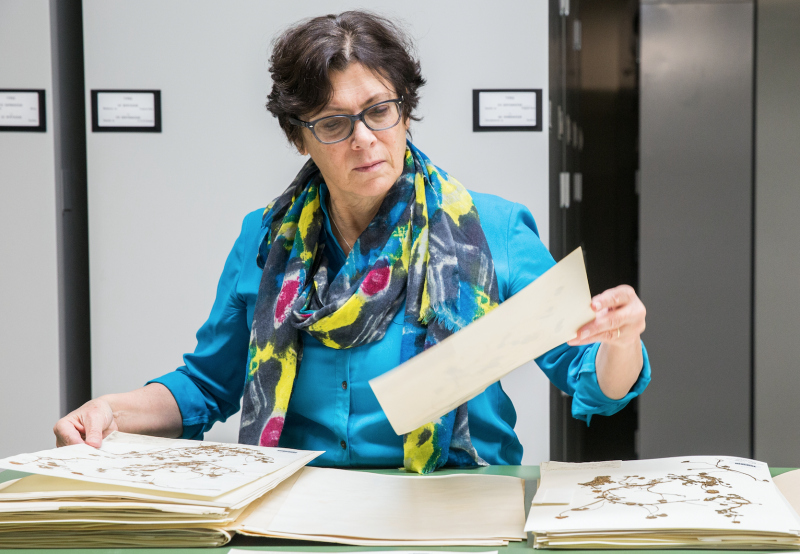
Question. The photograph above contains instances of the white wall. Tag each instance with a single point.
(164, 209)
(29, 341)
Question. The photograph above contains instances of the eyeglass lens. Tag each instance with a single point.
(378, 117)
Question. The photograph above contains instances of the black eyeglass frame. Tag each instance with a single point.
(353, 119)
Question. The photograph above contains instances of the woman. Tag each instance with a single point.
(370, 256)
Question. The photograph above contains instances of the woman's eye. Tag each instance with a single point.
(331, 125)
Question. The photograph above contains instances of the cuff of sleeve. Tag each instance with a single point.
(589, 398)
(191, 402)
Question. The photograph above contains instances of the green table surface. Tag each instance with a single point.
(529, 473)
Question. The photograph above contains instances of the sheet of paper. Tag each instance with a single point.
(57, 489)
(688, 493)
(258, 516)
(86, 506)
(206, 469)
(257, 521)
(543, 315)
(364, 505)
(789, 485)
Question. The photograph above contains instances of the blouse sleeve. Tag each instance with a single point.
(570, 368)
(208, 387)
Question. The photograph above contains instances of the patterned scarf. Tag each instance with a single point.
(425, 246)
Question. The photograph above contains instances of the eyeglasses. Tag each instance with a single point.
(336, 128)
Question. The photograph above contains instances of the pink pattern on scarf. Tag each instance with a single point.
(376, 280)
(286, 298)
(272, 432)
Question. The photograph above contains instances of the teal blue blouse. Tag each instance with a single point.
(332, 407)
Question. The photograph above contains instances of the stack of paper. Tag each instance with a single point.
(137, 491)
(151, 492)
(369, 509)
(698, 502)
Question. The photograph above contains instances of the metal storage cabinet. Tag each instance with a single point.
(30, 378)
(777, 226)
(696, 232)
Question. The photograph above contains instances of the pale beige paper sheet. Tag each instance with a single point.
(258, 516)
(543, 315)
(256, 521)
(789, 485)
(348, 506)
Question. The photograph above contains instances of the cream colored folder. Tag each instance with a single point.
(543, 315)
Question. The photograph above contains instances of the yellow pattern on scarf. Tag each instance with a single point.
(416, 458)
(288, 361)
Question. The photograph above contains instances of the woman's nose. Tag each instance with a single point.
(363, 137)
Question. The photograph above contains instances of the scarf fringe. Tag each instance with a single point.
(432, 315)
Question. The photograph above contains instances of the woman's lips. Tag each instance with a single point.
(369, 167)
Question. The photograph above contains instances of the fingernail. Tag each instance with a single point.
(596, 305)
(584, 335)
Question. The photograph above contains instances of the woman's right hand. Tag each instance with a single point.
(89, 424)
(150, 410)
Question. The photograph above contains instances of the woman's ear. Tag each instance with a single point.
(301, 149)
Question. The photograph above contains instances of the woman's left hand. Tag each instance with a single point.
(618, 323)
(619, 319)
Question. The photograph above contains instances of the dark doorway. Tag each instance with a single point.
(594, 203)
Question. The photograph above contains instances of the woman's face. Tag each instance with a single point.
(365, 165)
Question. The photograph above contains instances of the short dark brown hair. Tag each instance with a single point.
(304, 56)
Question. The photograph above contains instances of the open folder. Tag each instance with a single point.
(543, 315)
(698, 502)
(152, 492)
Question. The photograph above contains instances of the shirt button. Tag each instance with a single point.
(344, 385)
(344, 445)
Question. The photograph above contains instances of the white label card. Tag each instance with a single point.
(19, 109)
(554, 496)
(507, 109)
(126, 109)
